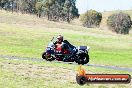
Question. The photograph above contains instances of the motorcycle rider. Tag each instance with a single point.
(63, 44)
(59, 43)
(64, 47)
(59, 39)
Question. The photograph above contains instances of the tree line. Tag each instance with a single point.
(55, 10)
(65, 10)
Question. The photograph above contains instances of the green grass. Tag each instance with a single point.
(28, 36)
(105, 49)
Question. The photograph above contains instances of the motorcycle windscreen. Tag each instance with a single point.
(49, 50)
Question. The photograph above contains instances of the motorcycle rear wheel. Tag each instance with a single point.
(86, 59)
(83, 59)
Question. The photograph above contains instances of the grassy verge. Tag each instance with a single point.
(28, 74)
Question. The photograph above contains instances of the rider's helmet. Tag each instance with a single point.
(59, 38)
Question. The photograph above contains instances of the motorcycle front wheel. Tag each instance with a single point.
(44, 55)
(48, 58)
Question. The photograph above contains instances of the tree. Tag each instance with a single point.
(70, 10)
(119, 23)
(91, 18)
(38, 8)
(47, 6)
(67, 6)
(55, 10)
(4, 4)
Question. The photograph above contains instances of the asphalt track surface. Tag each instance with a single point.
(41, 60)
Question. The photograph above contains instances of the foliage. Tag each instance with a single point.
(119, 23)
(91, 18)
(64, 10)
(55, 10)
